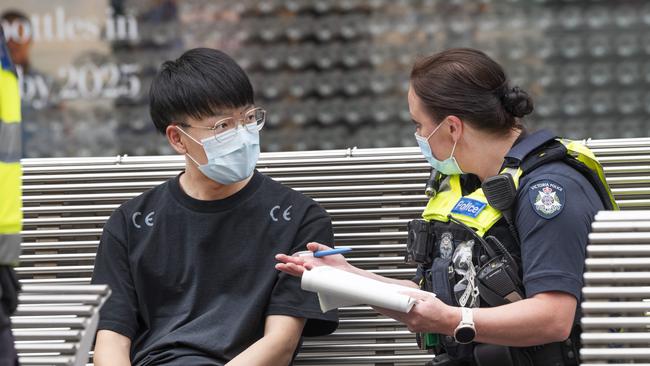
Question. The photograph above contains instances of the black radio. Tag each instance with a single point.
(498, 280)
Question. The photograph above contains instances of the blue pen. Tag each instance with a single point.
(323, 253)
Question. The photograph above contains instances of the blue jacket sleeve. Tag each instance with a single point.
(554, 212)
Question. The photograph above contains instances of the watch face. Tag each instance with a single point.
(465, 335)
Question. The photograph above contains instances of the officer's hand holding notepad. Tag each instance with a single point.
(337, 288)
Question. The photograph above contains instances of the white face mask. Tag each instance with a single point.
(232, 159)
(448, 166)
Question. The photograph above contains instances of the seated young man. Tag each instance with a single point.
(191, 261)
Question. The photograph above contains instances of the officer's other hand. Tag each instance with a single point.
(429, 314)
(296, 266)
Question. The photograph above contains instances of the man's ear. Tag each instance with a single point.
(455, 127)
(174, 138)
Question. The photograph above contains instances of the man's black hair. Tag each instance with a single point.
(199, 84)
(11, 15)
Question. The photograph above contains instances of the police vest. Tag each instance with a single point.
(539, 148)
(475, 213)
(10, 169)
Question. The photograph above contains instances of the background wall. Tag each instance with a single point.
(331, 73)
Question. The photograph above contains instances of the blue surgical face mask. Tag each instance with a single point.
(232, 156)
(448, 166)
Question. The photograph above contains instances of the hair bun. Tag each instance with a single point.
(517, 102)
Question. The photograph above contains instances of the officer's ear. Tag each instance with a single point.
(455, 127)
(174, 137)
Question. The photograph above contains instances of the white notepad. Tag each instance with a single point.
(337, 288)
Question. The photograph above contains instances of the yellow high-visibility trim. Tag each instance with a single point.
(9, 97)
(587, 157)
(10, 198)
(444, 201)
(440, 207)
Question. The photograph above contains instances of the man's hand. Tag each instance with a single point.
(295, 266)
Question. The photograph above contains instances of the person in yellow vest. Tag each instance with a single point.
(502, 242)
(10, 199)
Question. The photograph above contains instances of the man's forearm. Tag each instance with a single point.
(268, 350)
(276, 347)
(111, 349)
(111, 359)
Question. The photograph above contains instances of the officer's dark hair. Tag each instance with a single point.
(468, 84)
(199, 84)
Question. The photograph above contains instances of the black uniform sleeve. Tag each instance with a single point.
(119, 313)
(287, 297)
(553, 216)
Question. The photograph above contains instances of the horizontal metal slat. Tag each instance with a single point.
(360, 360)
(600, 292)
(46, 335)
(33, 310)
(622, 238)
(619, 250)
(603, 216)
(371, 236)
(368, 322)
(620, 226)
(49, 322)
(68, 209)
(589, 338)
(604, 307)
(55, 270)
(31, 258)
(67, 289)
(73, 220)
(629, 204)
(617, 263)
(640, 322)
(61, 233)
(46, 360)
(40, 245)
(341, 335)
(64, 348)
(615, 354)
(617, 278)
(28, 298)
(357, 347)
(54, 281)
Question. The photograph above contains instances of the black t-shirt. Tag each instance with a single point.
(195, 279)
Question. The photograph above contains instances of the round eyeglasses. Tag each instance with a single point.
(252, 120)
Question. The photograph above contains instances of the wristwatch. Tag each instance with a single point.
(465, 331)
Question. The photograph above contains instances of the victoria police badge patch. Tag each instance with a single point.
(547, 198)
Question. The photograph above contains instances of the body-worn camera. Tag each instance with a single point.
(419, 243)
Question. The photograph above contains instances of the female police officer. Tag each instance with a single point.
(525, 232)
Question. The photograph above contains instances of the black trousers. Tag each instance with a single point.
(8, 300)
(8, 355)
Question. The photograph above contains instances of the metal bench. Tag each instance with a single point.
(370, 194)
(56, 324)
(616, 322)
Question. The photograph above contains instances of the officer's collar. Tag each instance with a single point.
(522, 136)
